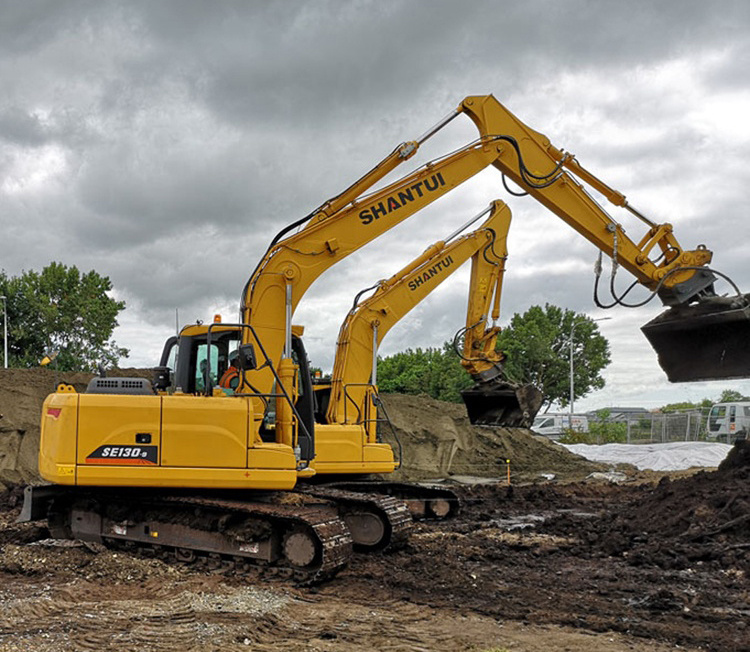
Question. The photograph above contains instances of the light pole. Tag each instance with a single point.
(570, 342)
(5, 330)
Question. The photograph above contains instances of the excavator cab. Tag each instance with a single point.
(708, 340)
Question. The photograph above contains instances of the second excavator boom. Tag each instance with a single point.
(354, 376)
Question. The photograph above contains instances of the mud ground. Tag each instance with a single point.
(657, 563)
(579, 566)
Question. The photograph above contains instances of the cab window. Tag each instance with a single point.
(204, 375)
(718, 412)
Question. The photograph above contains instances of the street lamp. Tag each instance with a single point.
(572, 328)
(5, 330)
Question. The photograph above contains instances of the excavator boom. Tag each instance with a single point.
(550, 175)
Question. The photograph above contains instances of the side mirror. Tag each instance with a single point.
(161, 379)
(246, 357)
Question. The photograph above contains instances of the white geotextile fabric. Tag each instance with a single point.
(672, 456)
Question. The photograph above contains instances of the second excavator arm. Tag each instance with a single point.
(355, 368)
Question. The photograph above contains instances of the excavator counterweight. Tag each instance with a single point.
(709, 340)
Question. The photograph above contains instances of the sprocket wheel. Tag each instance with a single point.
(299, 548)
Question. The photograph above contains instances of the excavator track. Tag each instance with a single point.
(376, 522)
(307, 542)
(425, 501)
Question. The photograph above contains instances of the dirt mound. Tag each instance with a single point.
(738, 457)
(437, 440)
(704, 518)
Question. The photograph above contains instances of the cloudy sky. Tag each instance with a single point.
(164, 143)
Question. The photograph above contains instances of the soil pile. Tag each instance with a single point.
(437, 441)
(436, 438)
(704, 518)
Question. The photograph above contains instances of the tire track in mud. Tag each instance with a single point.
(85, 619)
(93, 626)
(384, 626)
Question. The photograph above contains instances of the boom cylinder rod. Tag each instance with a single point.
(374, 379)
(433, 130)
(469, 223)
(288, 322)
(401, 153)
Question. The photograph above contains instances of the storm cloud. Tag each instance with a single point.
(163, 144)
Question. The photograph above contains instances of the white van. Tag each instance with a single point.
(553, 425)
(725, 420)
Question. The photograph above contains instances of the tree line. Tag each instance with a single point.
(536, 345)
(63, 313)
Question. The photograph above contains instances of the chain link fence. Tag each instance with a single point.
(641, 427)
(653, 428)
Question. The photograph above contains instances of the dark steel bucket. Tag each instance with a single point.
(705, 341)
(502, 404)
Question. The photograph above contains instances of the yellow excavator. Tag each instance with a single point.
(350, 396)
(181, 468)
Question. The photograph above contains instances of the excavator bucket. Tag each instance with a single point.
(705, 341)
(502, 404)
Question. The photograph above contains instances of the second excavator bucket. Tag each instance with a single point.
(709, 340)
(502, 404)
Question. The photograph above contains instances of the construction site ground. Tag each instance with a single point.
(571, 562)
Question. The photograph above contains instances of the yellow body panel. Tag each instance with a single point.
(344, 449)
(158, 441)
(57, 451)
(338, 443)
(204, 431)
(114, 421)
(271, 456)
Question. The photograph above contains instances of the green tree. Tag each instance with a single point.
(731, 396)
(726, 396)
(681, 406)
(537, 348)
(64, 311)
(432, 371)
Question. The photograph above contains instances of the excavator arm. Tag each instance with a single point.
(701, 336)
(549, 174)
(355, 367)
